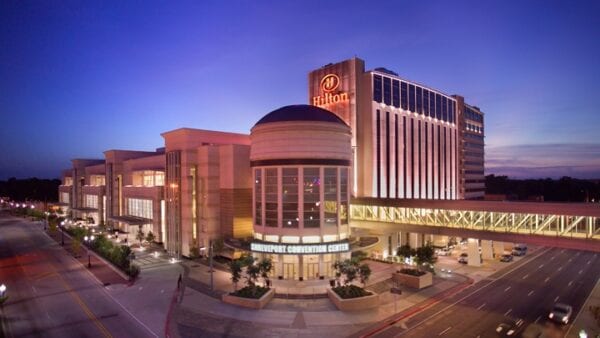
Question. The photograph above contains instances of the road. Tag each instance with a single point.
(50, 293)
(527, 290)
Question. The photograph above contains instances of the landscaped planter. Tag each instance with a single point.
(353, 304)
(417, 282)
(250, 302)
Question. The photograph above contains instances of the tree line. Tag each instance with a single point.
(33, 189)
(565, 189)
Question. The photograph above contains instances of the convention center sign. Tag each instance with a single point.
(300, 249)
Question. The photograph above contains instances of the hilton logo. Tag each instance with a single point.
(329, 83)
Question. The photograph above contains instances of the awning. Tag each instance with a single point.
(131, 220)
(86, 209)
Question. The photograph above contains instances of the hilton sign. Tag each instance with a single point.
(329, 84)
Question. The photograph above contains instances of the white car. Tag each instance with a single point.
(443, 252)
(561, 313)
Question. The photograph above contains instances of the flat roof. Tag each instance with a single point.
(546, 208)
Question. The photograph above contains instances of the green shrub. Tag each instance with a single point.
(254, 292)
(412, 272)
(351, 291)
(133, 271)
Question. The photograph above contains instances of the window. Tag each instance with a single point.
(330, 204)
(64, 197)
(258, 196)
(68, 181)
(139, 207)
(387, 91)
(438, 106)
(426, 102)
(289, 197)
(377, 88)
(91, 201)
(404, 95)
(411, 98)
(431, 104)
(344, 195)
(419, 100)
(271, 197)
(311, 186)
(444, 108)
(396, 93)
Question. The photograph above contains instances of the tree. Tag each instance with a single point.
(348, 268)
(364, 272)
(150, 237)
(235, 266)
(405, 251)
(425, 255)
(76, 246)
(252, 273)
(140, 235)
(218, 246)
(265, 266)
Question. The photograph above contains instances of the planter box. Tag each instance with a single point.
(419, 282)
(353, 304)
(250, 302)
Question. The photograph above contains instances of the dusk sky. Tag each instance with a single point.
(79, 78)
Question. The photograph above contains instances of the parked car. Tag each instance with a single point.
(561, 313)
(463, 258)
(506, 258)
(510, 327)
(443, 252)
(519, 250)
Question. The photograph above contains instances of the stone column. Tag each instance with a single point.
(486, 250)
(473, 252)
(413, 240)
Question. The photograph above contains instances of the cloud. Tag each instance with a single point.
(581, 160)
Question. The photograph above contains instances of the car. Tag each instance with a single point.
(463, 258)
(561, 313)
(519, 250)
(506, 258)
(443, 252)
(510, 327)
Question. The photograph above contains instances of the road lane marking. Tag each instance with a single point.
(547, 279)
(537, 319)
(85, 309)
(559, 268)
(589, 262)
(507, 312)
(481, 306)
(571, 282)
(541, 266)
(446, 330)
(580, 271)
(570, 259)
(555, 299)
(508, 288)
(525, 277)
(551, 258)
(530, 293)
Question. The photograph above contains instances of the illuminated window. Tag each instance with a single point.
(64, 197)
(258, 196)
(330, 206)
(377, 97)
(139, 207)
(311, 186)
(68, 181)
(289, 197)
(91, 201)
(271, 197)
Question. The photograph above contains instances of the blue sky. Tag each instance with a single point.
(78, 78)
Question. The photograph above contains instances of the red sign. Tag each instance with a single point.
(330, 82)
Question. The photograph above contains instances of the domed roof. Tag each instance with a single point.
(300, 112)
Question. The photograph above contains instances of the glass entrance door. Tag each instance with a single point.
(289, 270)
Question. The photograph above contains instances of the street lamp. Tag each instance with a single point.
(88, 240)
(3, 296)
(62, 233)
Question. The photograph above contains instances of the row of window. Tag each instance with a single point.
(474, 181)
(301, 185)
(413, 98)
(472, 153)
(471, 114)
(473, 137)
(474, 128)
(474, 162)
(139, 207)
(474, 172)
(148, 178)
(474, 145)
(420, 153)
(64, 197)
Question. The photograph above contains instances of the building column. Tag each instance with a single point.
(300, 266)
(474, 258)
(321, 267)
(413, 240)
(498, 248)
(279, 269)
(486, 249)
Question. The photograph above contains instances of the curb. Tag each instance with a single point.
(171, 305)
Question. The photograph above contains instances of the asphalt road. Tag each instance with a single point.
(527, 290)
(50, 293)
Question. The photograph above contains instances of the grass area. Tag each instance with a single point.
(254, 292)
(412, 272)
(351, 291)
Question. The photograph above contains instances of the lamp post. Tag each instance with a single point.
(62, 233)
(210, 253)
(3, 296)
(88, 240)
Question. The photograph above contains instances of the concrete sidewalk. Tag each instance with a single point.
(585, 320)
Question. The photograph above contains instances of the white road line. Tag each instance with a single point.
(541, 266)
(580, 271)
(524, 277)
(530, 293)
(508, 288)
(481, 306)
(588, 262)
(446, 330)
(571, 282)
(581, 309)
(551, 258)
(507, 312)
(547, 279)
(570, 259)
(559, 268)
(537, 319)
(555, 299)
(33, 288)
